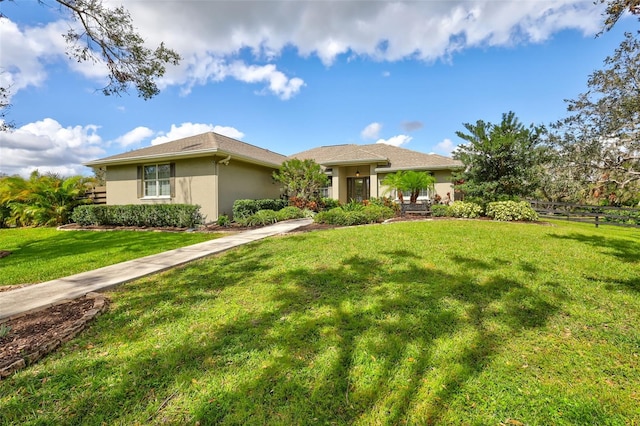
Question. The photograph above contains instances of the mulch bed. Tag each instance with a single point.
(26, 338)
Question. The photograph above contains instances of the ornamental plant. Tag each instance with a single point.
(464, 209)
(511, 210)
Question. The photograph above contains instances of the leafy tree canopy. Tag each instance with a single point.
(616, 8)
(502, 161)
(600, 139)
(106, 34)
(302, 179)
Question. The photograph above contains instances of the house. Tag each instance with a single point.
(210, 170)
(213, 171)
(357, 171)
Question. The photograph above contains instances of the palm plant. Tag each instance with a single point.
(42, 200)
(410, 181)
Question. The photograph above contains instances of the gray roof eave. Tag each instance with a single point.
(426, 168)
(178, 156)
(349, 162)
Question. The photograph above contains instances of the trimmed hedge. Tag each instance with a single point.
(150, 215)
(368, 214)
(511, 210)
(245, 208)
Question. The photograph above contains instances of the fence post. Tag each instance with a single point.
(597, 220)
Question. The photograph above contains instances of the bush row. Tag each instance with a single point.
(152, 215)
(352, 216)
(499, 210)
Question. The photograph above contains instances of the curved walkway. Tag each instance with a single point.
(38, 296)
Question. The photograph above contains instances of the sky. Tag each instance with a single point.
(293, 75)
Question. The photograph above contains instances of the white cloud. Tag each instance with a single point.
(47, 146)
(381, 30)
(372, 131)
(212, 37)
(445, 147)
(135, 136)
(190, 129)
(396, 140)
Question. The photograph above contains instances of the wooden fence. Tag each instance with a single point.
(98, 195)
(620, 216)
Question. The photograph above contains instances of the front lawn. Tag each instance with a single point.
(43, 254)
(442, 322)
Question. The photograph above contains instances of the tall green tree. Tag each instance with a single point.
(106, 34)
(600, 138)
(502, 161)
(302, 179)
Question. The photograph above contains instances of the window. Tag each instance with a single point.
(156, 180)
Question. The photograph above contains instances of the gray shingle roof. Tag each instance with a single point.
(204, 144)
(388, 157)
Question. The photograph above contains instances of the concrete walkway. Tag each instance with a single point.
(45, 294)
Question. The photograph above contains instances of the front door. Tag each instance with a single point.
(358, 189)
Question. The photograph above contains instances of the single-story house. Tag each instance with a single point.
(357, 171)
(213, 171)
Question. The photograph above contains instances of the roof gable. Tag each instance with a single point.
(209, 143)
(386, 156)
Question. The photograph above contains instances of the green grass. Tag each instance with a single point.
(43, 254)
(443, 322)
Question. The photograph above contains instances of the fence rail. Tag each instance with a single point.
(98, 195)
(599, 215)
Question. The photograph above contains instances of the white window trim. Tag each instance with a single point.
(157, 180)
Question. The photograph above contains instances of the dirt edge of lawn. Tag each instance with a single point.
(30, 336)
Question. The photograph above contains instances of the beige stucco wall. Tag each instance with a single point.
(239, 180)
(197, 181)
(194, 184)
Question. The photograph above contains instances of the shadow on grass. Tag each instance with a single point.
(623, 249)
(361, 340)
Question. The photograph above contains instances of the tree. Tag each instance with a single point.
(601, 137)
(411, 181)
(107, 34)
(502, 161)
(615, 9)
(302, 179)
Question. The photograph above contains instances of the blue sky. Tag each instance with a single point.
(292, 75)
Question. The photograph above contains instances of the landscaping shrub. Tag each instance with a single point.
(223, 220)
(246, 208)
(290, 212)
(352, 206)
(354, 216)
(464, 209)
(511, 210)
(439, 210)
(303, 204)
(329, 203)
(149, 215)
(385, 202)
(260, 218)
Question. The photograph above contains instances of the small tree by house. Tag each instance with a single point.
(302, 179)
